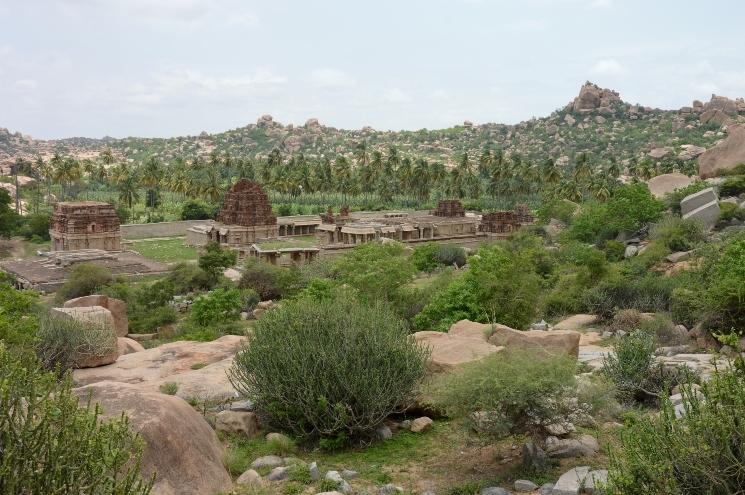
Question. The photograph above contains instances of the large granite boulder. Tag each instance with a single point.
(116, 307)
(128, 346)
(181, 448)
(664, 184)
(552, 342)
(449, 351)
(197, 368)
(702, 206)
(724, 156)
(95, 346)
(576, 322)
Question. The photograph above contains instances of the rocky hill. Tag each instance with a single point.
(596, 121)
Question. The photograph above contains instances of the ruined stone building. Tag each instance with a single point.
(77, 225)
(504, 222)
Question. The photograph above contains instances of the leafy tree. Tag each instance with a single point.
(377, 271)
(214, 260)
(9, 219)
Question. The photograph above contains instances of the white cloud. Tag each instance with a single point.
(187, 78)
(246, 19)
(439, 95)
(601, 4)
(608, 67)
(25, 84)
(529, 25)
(396, 95)
(331, 79)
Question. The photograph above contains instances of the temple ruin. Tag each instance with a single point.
(77, 225)
(505, 222)
(449, 208)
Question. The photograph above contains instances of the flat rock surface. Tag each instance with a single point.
(174, 362)
(576, 322)
(449, 351)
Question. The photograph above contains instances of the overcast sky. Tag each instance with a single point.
(174, 67)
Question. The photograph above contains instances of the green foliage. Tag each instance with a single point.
(560, 209)
(733, 186)
(377, 271)
(449, 255)
(187, 277)
(598, 395)
(197, 210)
(9, 219)
(299, 473)
(674, 198)
(648, 293)
(36, 226)
(53, 444)
(587, 260)
(700, 453)
(726, 293)
(429, 256)
(214, 260)
(633, 370)
(64, 343)
(84, 279)
(514, 393)
(150, 319)
(319, 369)
(267, 280)
(499, 286)
(614, 250)
(678, 234)
(631, 207)
(17, 323)
(168, 388)
(729, 211)
(220, 305)
(590, 224)
(663, 329)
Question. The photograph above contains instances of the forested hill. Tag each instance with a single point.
(598, 121)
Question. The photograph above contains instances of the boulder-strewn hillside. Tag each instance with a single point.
(596, 121)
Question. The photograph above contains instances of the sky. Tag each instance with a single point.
(162, 68)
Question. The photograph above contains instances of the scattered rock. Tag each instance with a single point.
(661, 185)
(384, 433)
(702, 206)
(278, 437)
(493, 490)
(390, 489)
(525, 486)
(237, 423)
(576, 322)
(678, 256)
(449, 351)
(116, 307)
(349, 474)
(268, 461)
(584, 446)
(250, 477)
(315, 474)
(179, 446)
(336, 477)
(534, 458)
(128, 346)
(421, 425)
(571, 482)
(631, 251)
(279, 473)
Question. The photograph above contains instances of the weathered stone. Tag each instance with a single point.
(554, 342)
(493, 490)
(349, 474)
(546, 489)
(725, 155)
(525, 486)
(576, 322)
(661, 185)
(100, 351)
(128, 346)
(237, 423)
(595, 481)
(268, 461)
(116, 307)
(571, 482)
(384, 433)
(279, 473)
(449, 208)
(390, 489)
(630, 251)
(584, 446)
(678, 256)
(449, 351)
(250, 477)
(420, 425)
(180, 448)
(315, 474)
(702, 206)
(534, 458)
(77, 225)
(246, 204)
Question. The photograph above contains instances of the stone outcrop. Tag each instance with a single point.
(592, 98)
(180, 448)
(128, 346)
(576, 322)
(553, 342)
(176, 362)
(99, 347)
(116, 307)
(449, 351)
(690, 151)
(724, 156)
(702, 206)
(664, 184)
(246, 204)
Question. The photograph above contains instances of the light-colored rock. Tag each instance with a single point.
(179, 446)
(349, 474)
(726, 155)
(571, 482)
(449, 351)
(630, 251)
(525, 486)
(534, 458)
(315, 474)
(702, 206)
(564, 448)
(279, 438)
(661, 185)
(384, 433)
(250, 477)
(237, 423)
(678, 256)
(658, 153)
(100, 350)
(268, 461)
(576, 322)
(116, 307)
(493, 490)
(690, 152)
(128, 346)
(173, 362)
(279, 473)
(420, 425)
(232, 274)
(595, 481)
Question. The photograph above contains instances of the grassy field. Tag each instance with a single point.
(289, 242)
(165, 250)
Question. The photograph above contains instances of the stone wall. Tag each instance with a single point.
(160, 229)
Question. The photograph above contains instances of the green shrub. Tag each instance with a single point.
(633, 370)
(17, 322)
(729, 211)
(168, 388)
(267, 280)
(51, 443)
(450, 255)
(187, 277)
(613, 250)
(148, 320)
(598, 395)
(424, 257)
(626, 320)
(329, 368)
(678, 234)
(726, 293)
(565, 297)
(513, 393)
(687, 306)
(733, 186)
(220, 305)
(631, 207)
(156, 294)
(664, 330)
(591, 224)
(560, 209)
(698, 453)
(499, 286)
(36, 226)
(377, 271)
(214, 260)
(197, 210)
(648, 293)
(84, 279)
(64, 343)
(299, 473)
(586, 259)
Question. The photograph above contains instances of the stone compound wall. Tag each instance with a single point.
(160, 229)
(246, 204)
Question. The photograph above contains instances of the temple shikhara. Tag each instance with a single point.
(77, 225)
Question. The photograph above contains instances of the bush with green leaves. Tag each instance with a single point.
(188, 277)
(63, 343)
(36, 227)
(51, 443)
(214, 259)
(499, 286)
(648, 293)
(220, 305)
(698, 453)
(631, 207)
(678, 234)
(376, 271)
(197, 210)
(730, 211)
(329, 368)
(733, 186)
(429, 256)
(508, 393)
(84, 279)
(725, 295)
(267, 280)
(17, 322)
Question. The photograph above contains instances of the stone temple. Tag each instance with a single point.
(77, 225)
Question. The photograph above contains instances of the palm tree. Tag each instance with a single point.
(582, 169)
(421, 179)
(67, 172)
(152, 172)
(342, 174)
(614, 170)
(211, 187)
(128, 190)
(107, 157)
(550, 172)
